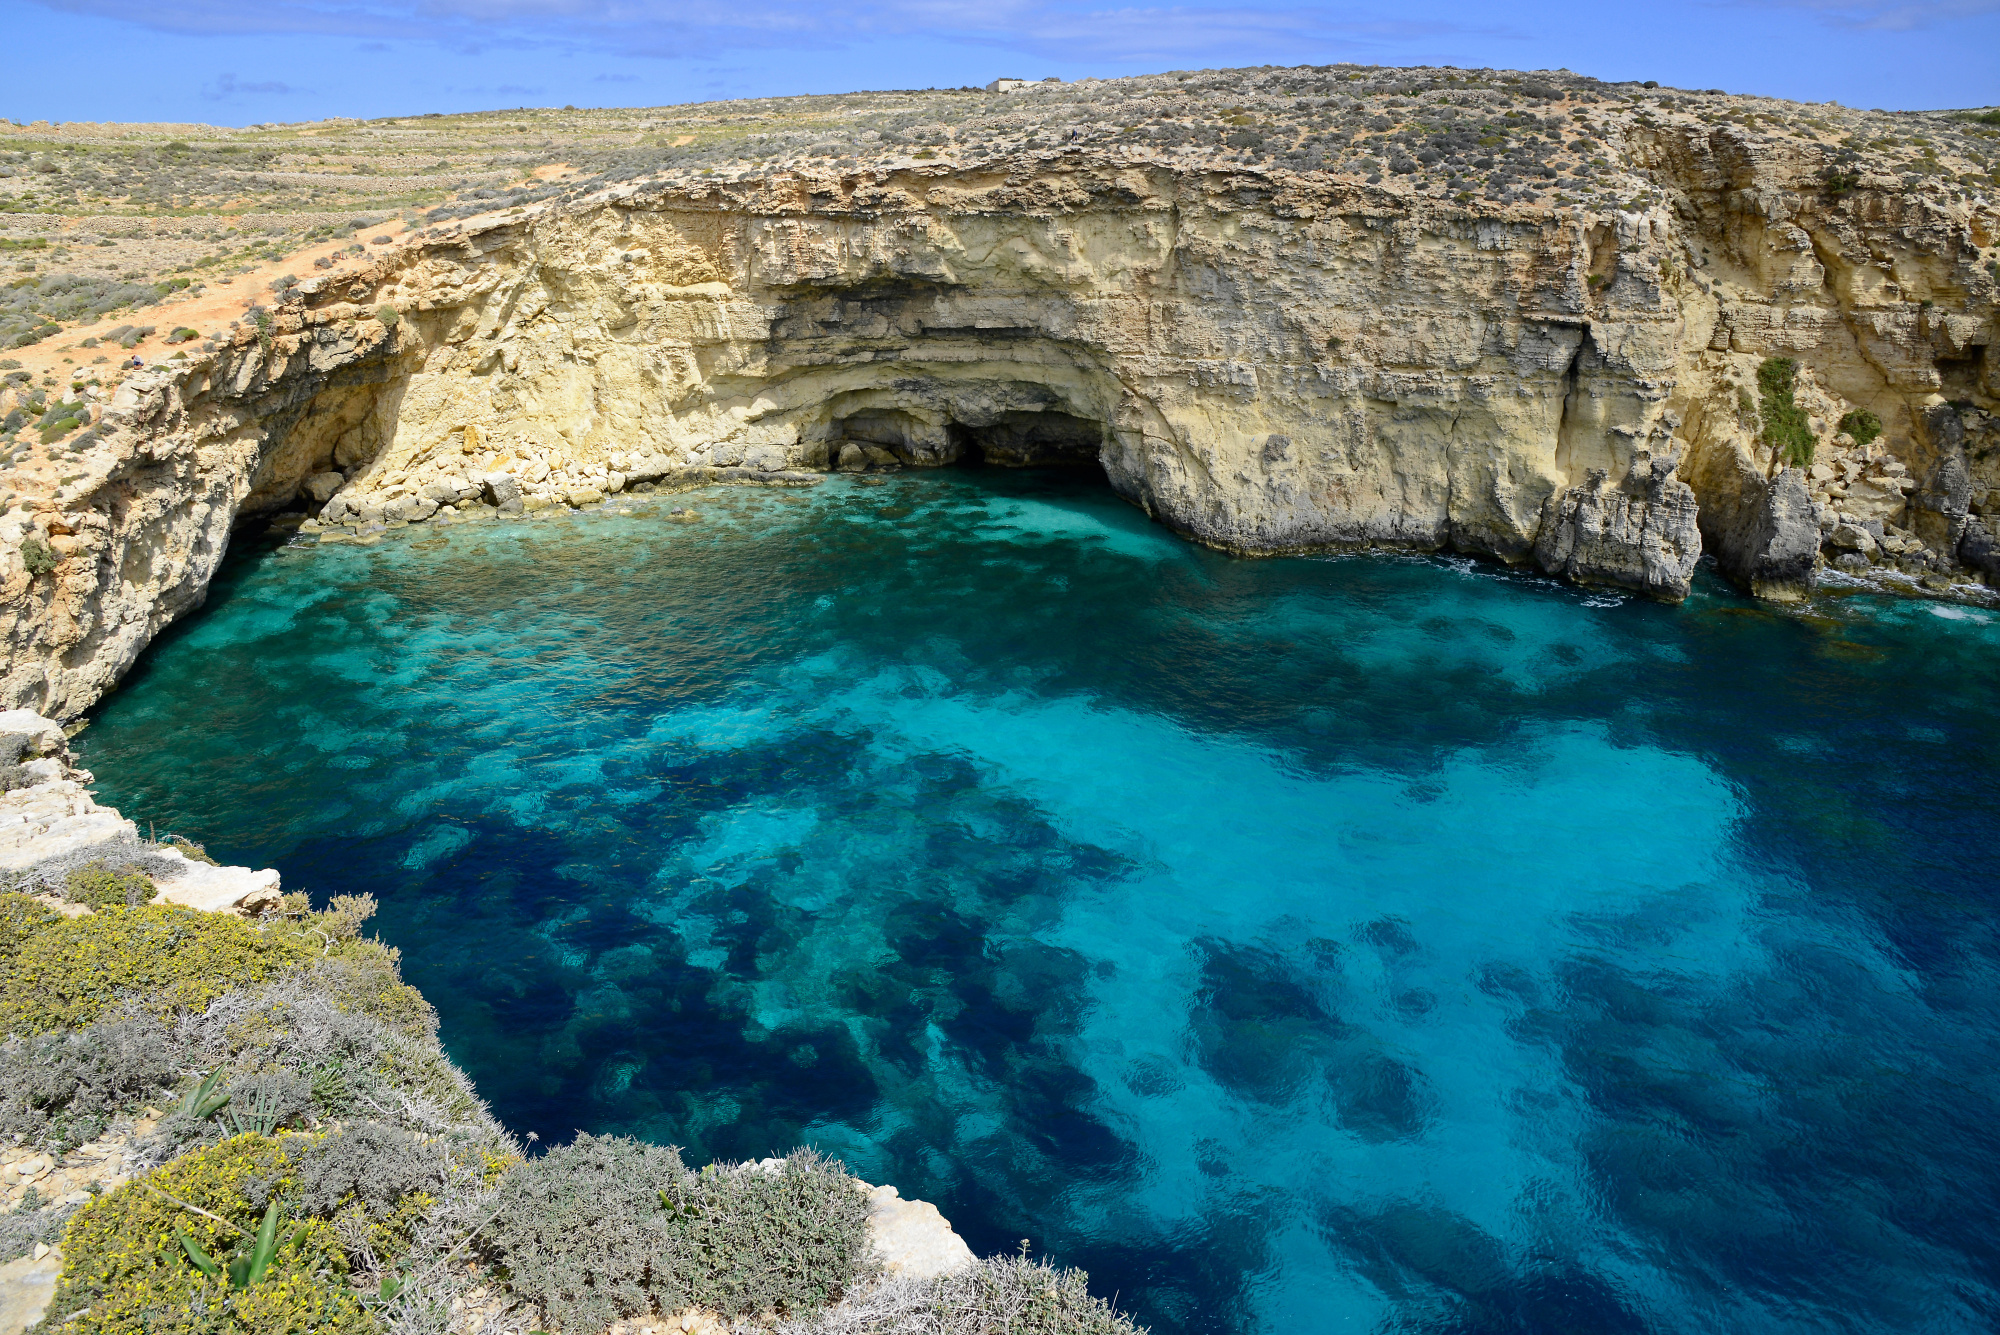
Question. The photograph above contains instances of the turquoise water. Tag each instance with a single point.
(1375, 944)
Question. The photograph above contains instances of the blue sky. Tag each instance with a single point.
(238, 61)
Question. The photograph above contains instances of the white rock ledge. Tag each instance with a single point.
(912, 1238)
(53, 819)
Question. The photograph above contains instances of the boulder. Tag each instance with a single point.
(216, 889)
(502, 490)
(1764, 532)
(1641, 534)
(320, 487)
(852, 460)
(583, 496)
(409, 509)
(1939, 508)
(1978, 550)
(1848, 536)
(911, 1238)
(40, 736)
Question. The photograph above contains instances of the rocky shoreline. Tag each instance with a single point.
(50, 827)
(1740, 362)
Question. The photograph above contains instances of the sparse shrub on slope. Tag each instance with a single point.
(610, 1227)
(62, 1090)
(1865, 427)
(127, 1258)
(1005, 1294)
(96, 885)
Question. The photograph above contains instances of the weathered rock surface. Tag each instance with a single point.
(1641, 534)
(26, 1286)
(911, 1238)
(50, 824)
(1262, 360)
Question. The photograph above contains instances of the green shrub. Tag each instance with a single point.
(37, 556)
(1863, 425)
(125, 1261)
(97, 886)
(609, 1227)
(388, 315)
(1786, 432)
(183, 335)
(59, 428)
(167, 958)
(189, 849)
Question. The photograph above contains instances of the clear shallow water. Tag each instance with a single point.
(1305, 945)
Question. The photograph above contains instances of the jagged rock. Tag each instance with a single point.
(503, 491)
(1763, 533)
(1641, 534)
(1938, 509)
(320, 487)
(1979, 550)
(1851, 537)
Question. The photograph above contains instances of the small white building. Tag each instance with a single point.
(1006, 85)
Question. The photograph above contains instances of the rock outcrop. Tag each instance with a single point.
(51, 824)
(1264, 361)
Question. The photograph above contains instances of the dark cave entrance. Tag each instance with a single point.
(892, 438)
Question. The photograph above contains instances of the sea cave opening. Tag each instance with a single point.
(885, 438)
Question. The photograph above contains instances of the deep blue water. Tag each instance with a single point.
(1375, 944)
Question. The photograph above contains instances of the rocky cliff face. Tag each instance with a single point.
(1265, 361)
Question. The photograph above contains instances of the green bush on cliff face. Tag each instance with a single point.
(37, 556)
(1863, 425)
(123, 1258)
(609, 1227)
(1786, 432)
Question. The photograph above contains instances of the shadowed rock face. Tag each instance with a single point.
(1264, 363)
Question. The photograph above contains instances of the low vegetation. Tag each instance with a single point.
(609, 1228)
(1863, 426)
(311, 1161)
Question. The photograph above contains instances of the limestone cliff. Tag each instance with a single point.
(1263, 360)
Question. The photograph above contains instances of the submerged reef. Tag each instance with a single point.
(239, 1118)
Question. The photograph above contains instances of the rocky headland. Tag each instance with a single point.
(1744, 336)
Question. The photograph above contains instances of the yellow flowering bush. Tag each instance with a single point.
(61, 973)
(125, 1271)
(64, 971)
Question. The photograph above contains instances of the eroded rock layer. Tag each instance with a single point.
(1265, 362)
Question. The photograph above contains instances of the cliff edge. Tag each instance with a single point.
(1744, 336)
